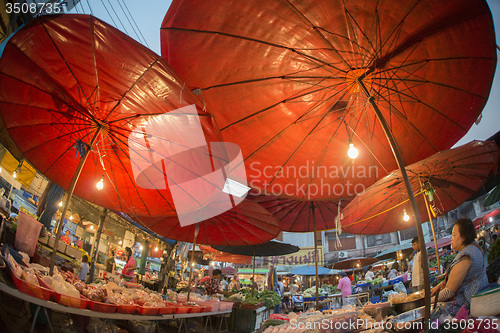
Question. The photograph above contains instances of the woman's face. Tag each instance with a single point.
(457, 241)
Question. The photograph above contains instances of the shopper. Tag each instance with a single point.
(130, 265)
(344, 286)
(281, 288)
(110, 262)
(84, 268)
(417, 273)
(369, 276)
(234, 285)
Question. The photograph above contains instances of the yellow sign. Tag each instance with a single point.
(25, 173)
(303, 257)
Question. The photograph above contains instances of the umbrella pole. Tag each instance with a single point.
(315, 255)
(433, 235)
(191, 261)
(411, 196)
(253, 273)
(72, 186)
(102, 218)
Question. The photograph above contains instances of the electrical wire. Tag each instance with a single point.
(118, 17)
(136, 31)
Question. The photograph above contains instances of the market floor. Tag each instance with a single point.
(15, 317)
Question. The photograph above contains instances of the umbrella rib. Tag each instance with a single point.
(317, 31)
(132, 181)
(132, 87)
(80, 88)
(296, 51)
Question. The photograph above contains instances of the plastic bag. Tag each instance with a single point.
(400, 288)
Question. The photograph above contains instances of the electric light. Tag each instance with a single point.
(156, 248)
(140, 248)
(491, 219)
(405, 216)
(60, 203)
(352, 152)
(100, 184)
(71, 217)
(14, 174)
(91, 227)
(120, 242)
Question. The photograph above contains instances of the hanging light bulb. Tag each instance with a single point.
(120, 242)
(491, 219)
(60, 203)
(91, 226)
(100, 184)
(71, 217)
(140, 248)
(14, 174)
(352, 152)
(406, 217)
(192, 264)
(156, 248)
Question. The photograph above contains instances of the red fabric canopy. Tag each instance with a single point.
(296, 216)
(62, 78)
(484, 217)
(454, 174)
(246, 224)
(283, 79)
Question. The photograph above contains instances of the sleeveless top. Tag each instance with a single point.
(474, 280)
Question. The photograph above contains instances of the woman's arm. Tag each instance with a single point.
(458, 273)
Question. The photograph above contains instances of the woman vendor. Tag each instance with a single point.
(130, 265)
(467, 272)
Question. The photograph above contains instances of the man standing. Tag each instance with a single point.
(417, 274)
(281, 288)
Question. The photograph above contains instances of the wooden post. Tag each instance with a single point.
(72, 186)
(102, 218)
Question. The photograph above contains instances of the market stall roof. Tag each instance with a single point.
(391, 251)
(309, 270)
(354, 263)
(484, 217)
(441, 242)
(271, 248)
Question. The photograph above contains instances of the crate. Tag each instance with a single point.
(101, 307)
(61, 247)
(126, 308)
(74, 253)
(147, 311)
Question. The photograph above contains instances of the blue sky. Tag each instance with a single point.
(148, 15)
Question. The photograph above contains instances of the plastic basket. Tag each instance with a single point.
(101, 307)
(194, 309)
(147, 311)
(126, 308)
(180, 309)
(396, 280)
(79, 303)
(28, 230)
(31, 289)
(206, 308)
(167, 309)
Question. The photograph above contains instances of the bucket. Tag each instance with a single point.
(28, 230)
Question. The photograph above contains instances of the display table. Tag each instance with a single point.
(95, 314)
(247, 320)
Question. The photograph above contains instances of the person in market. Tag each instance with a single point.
(130, 265)
(110, 262)
(344, 286)
(417, 273)
(66, 238)
(467, 272)
(294, 288)
(212, 284)
(224, 284)
(369, 275)
(148, 267)
(394, 271)
(234, 285)
(84, 268)
(253, 284)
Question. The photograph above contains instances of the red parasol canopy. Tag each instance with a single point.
(484, 217)
(65, 78)
(354, 263)
(246, 224)
(226, 257)
(452, 176)
(295, 215)
(292, 82)
(441, 242)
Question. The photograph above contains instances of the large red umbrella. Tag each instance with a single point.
(292, 82)
(295, 215)
(451, 176)
(72, 83)
(246, 224)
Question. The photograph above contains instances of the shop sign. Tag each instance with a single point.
(305, 256)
